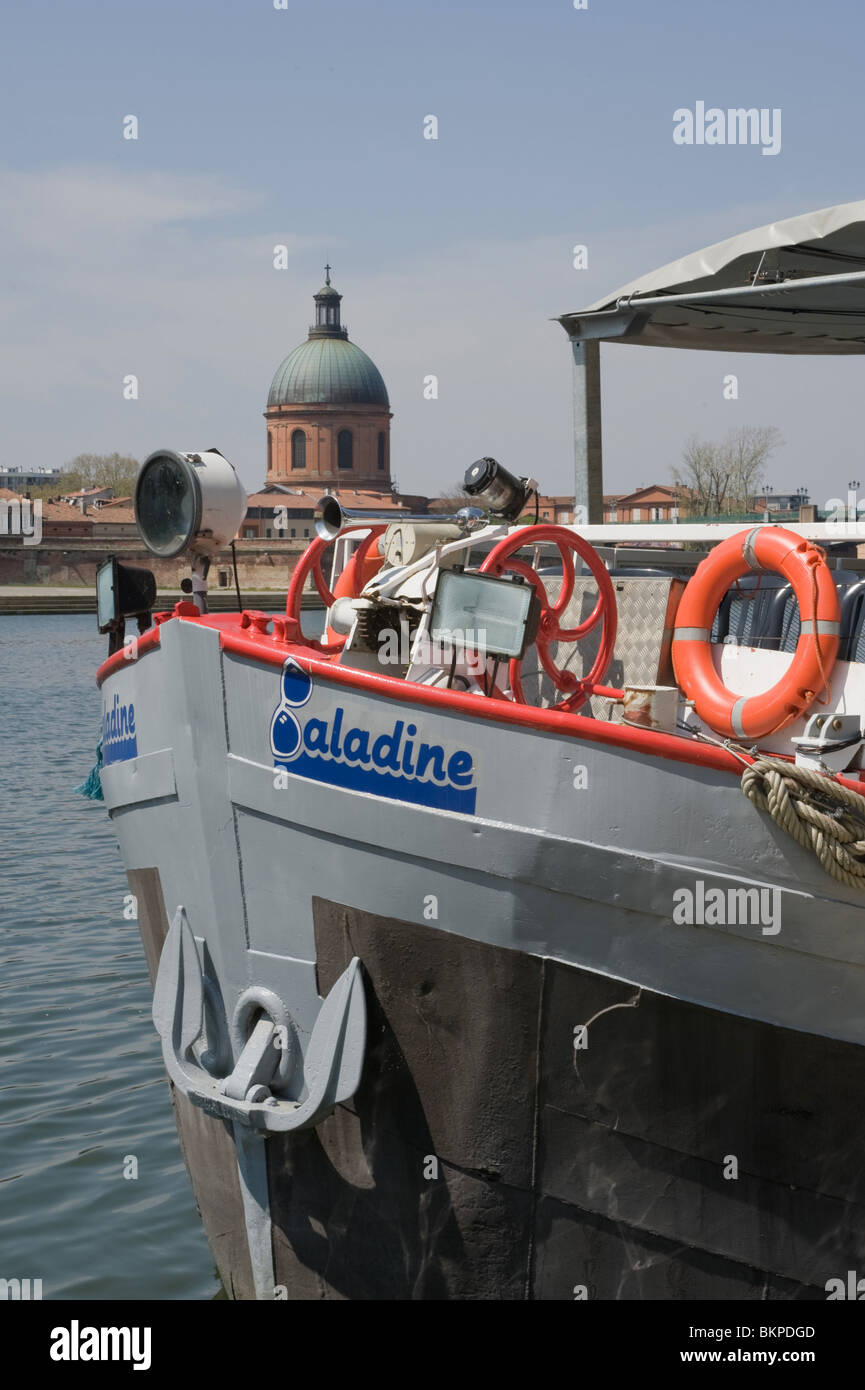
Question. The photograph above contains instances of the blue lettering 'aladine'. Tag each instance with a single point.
(119, 739)
(390, 763)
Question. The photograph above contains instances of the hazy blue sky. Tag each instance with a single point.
(304, 126)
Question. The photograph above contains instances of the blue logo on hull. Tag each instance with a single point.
(119, 739)
(391, 763)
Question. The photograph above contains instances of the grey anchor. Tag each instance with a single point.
(269, 1057)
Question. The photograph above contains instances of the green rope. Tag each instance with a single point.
(91, 787)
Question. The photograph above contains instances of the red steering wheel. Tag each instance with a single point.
(577, 689)
(310, 563)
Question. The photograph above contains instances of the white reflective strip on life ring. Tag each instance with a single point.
(824, 625)
(748, 549)
(736, 716)
(691, 634)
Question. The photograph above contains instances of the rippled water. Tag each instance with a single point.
(81, 1079)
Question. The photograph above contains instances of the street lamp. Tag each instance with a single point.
(767, 488)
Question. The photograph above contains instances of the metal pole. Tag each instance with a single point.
(588, 464)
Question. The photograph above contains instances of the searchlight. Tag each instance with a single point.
(188, 502)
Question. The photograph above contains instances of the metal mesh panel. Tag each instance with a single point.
(642, 652)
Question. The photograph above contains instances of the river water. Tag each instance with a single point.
(83, 1096)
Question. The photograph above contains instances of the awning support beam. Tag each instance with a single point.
(735, 292)
(588, 463)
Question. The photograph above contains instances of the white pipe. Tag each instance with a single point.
(396, 577)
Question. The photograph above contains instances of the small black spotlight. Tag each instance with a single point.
(123, 591)
(497, 490)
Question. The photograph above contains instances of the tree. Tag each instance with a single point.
(451, 499)
(721, 478)
(455, 497)
(117, 471)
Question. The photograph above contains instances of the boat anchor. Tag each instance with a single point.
(331, 1068)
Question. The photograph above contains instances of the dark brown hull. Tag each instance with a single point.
(483, 1157)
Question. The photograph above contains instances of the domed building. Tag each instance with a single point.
(328, 414)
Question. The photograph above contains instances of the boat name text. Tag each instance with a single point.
(339, 749)
(119, 739)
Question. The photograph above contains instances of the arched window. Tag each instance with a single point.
(344, 449)
(298, 449)
(381, 451)
(269, 452)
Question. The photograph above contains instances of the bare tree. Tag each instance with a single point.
(117, 471)
(451, 499)
(720, 478)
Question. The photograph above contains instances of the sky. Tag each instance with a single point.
(303, 126)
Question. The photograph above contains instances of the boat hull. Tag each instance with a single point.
(674, 1153)
(566, 1093)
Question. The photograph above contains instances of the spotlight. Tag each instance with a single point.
(123, 591)
(496, 489)
(188, 501)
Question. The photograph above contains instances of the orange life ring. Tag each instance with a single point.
(780, 552)
(350, 584)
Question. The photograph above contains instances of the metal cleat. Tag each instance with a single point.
(830, 742)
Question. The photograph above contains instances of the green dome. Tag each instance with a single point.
(328, 370)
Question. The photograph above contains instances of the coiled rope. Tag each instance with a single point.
(821, 814)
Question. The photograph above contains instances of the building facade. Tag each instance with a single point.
(655, 503)
(555, 510)
(19, 480)
(88, 497)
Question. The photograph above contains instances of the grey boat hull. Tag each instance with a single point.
(699, 1141)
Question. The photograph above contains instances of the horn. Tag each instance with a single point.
(332, 518)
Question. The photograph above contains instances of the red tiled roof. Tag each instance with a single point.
(349, 497)
(657, 492)
(664, 491)
(62, 511)
(117, 516)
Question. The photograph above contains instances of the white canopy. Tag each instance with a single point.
(795, 286)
